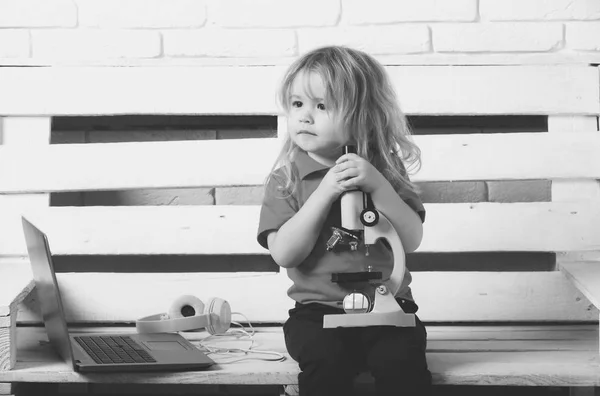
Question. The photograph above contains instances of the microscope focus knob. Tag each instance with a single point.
(369, 217)
(357, 303)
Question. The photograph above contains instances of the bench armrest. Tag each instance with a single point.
(585, 275)
(16, 282)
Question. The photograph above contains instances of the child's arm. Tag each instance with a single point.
(295, 239)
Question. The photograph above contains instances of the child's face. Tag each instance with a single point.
(312, 124)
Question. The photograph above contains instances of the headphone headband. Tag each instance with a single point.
(157, 323)
(215, 317)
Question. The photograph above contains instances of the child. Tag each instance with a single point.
(336, 96)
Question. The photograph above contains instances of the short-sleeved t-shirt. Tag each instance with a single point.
(312, 278)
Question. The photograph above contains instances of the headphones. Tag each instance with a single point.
(189, 313)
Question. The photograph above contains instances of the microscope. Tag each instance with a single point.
(360, 221)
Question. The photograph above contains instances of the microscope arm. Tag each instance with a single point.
(385, 229)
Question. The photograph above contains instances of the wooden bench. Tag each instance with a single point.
(486, 327)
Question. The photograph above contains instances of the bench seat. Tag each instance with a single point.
(559, 355)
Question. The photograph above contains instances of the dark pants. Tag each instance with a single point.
(329, 359)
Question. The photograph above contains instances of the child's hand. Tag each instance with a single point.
(354, 171)
(331, 185)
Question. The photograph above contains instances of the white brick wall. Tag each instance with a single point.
(270, 13)
(216, 42)
(273, 31)
(14, 43)
(142, 13)
(499, 37)
(37, 13)
(533, 10)
(584, 36)
(93, 44)
(377, 40)
(391, 11)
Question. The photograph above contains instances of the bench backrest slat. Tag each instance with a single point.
(250, 90)
(225, 229)
(442, 296)
(114, 166)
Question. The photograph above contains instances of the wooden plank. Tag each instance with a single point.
(203, 90)
(12, 239)
(533, 156)
(7, 389)
(17, 283)
(184, 164)
(441, 296)
(449, 365)
(582, 391)
(137, 165)
(517, 332)
(586, 276)
(8, 342)
(25, 131)
(190, 389)
(185, 90)
(579, 188)
(21, 132)
(188, 230)
(425, 59)
(511, 227)
(282, 128)
(519, 90)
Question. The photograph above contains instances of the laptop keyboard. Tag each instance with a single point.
(114, 349)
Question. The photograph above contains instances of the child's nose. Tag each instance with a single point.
(306, 116)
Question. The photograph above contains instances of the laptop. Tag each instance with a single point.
(96, 352)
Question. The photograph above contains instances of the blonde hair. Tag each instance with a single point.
(361, 96)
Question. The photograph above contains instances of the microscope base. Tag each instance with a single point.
(395, 318)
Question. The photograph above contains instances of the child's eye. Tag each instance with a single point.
(321, 106)
(296, 103)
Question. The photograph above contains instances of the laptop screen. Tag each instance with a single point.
(47, 290)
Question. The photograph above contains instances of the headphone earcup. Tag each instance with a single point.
(186, 306)
(221, 320)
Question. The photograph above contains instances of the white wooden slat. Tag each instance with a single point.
(442, 59)
(578, 256)
(9, 389)
(550, 368)
(498, 90)
(511, 227)
(12, 240)
(564, 190)
(508, 156)
(24, 133)
(441, 296)
(189, 164)
(582, 391)
(282, 128)
(476, 227)
(576, 189)
(154, 90)
(113, 166)
(559, 89)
